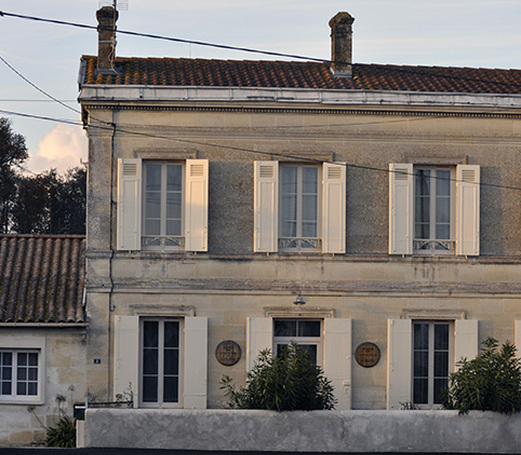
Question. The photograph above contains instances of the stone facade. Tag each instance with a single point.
(234, 291)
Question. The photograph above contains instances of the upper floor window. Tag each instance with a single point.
(433, 218)
(19, 375)
(299, 208)
(434, 210)
(162, 206)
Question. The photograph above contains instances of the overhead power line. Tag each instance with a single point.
(125, 129)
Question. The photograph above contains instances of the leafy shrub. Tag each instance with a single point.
(63, 434)
(289, 382)
(490, 382)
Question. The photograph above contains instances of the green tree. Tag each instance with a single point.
(490, 382)
(13, 152)
(289, 382)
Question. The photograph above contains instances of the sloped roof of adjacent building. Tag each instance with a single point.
(42, 279)
(304, 75)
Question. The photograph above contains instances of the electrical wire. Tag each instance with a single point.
(125, 129)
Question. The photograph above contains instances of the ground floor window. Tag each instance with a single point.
(432, 346)
(160, 349)
(19, 374)
(306, 333)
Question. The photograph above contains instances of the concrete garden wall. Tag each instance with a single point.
(317, 431)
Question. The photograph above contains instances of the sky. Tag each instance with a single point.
(477, 33)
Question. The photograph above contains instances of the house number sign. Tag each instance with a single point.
(367, 355)
(228, 352)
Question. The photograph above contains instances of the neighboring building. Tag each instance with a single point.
(42, 332)
(260, 202)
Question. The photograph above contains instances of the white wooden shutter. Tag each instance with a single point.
(466, 343)
(259, 336)
(196, 205)
(401, 208)
(467, 209)
(399, 362)
(195, 362)
(337, 358)
(334, 208)
(266, 207)
(129, 204)
(517, 338)
(126, 356)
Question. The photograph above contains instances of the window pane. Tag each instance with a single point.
(32, 388)
(421, 336)
(171, 334)
(32, 374)
(285, 328)
(309, 208)
(153, 177)
(288, 215)
(443, 210)
(33, 359)
(309, 328)
(443, 183)
(288, 179)
(441, 336)
(171, 364)
(7, 373)
(441, 364)
(22, 359)
(21, 388)
(151, 334)
(421, 363)
(153, 205)
(171, 390)
(423, 182)
(7, 358)
(439, 386)
(150, 389)
(150, 361)
(6, 388)
(311, 349)
(420, 394)
(174, 178)
(21, 373)
(443, 231)
(309, 180)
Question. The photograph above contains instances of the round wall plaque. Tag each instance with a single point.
(228, 352)
(367, 355)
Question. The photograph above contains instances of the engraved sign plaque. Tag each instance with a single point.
(228, 352)
(367, 355)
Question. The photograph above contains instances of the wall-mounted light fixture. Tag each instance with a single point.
(299, 300)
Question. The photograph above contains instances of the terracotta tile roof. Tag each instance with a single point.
(42, 279)
(278, 74)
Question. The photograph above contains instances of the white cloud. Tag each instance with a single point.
(61, 148)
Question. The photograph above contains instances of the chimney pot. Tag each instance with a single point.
(107, 17)
(341, 44)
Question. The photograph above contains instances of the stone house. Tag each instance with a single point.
(368, 212)
(42, 333)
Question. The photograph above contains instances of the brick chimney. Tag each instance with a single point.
(107, 17)
(341, 44)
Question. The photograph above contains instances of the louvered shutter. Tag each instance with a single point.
(401, 208)
(399, 362)
(266, 203)
(126, 355)
(334, 208)
(195, 363)
(466, 343)
(337, 358)
(129, 204)
(517, 337)
(259, 336)
(196, 205)
(467, 209)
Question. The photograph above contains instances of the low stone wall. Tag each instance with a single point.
(317, 431)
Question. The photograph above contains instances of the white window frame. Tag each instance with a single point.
(160, 402)
(466, 213)
(336, 339)
(400, 348)
(331, 216)
(130, 205)
(299, 242)
(433, 245)
(286, 340)
(166, 242)
(14, 396)
(431, 351)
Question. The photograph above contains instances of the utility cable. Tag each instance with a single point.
(126, 130)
